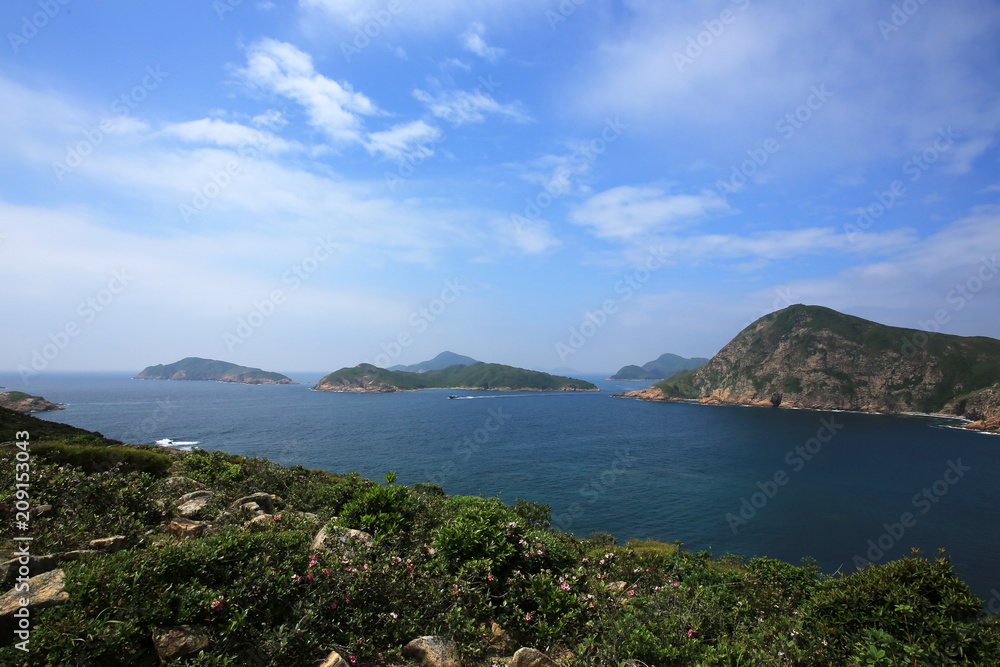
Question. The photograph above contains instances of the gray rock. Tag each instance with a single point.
(529, 657)
(263, 500)
(41, 510)
(179, 641)
(77, 555)
(331, 537)
(334, 660)
(433, 651)
(44, 590)
(34, 565)
(108, 545)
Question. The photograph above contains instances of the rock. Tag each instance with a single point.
(180, 481)
(108, 545)
(259, 520)
(186, 528)
(179, 641)
(251, 507)
(190, 505)
(44, 590)
(617, 586)
(77, 555)
(41, 510)
(35, 565)
(195, 495)
(529, 657)
(263, 501)
(330, 535)
(433, 651)
(500, 640)
(334, 660)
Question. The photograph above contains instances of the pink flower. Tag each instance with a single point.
(353, 660)
(333, 605)
(527, 617)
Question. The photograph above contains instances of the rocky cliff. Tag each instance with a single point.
(22, 402)
(815, 357)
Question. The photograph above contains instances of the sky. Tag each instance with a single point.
(574, 184)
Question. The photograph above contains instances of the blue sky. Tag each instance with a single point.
(580, 184)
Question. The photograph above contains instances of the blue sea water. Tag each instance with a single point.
(666, 471)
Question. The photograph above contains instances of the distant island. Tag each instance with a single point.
(815, 357)
(24, 403)
(476, 376)
(440, 362)
(662, 367)
(195, 368)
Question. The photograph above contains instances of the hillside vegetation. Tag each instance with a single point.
(368, 378)
(662, 367)
(255, 564)
(195, 368)
(810, 356)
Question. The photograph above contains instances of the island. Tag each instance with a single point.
(662, 367)
(815, 357)
(24, 403)
(440, 362)
(477, 376)
(195, 368)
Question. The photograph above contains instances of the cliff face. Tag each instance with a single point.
(814, 357)
(982, 407)
(25, 403)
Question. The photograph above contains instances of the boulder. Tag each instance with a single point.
(190, 505)
(616, 586)
(44, 590)
(433, 651)
(332, 536)
(263, 501)
(171, 482)
(529, 657)
(335, 660)
(186, 528)
(69, 556)
(500, 640)
(258, 520)
(41, 510)
(10, 570)
(180, 640)
(108, 545)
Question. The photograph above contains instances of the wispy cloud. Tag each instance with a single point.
(460, 107)
(472, 40)
(627, 212)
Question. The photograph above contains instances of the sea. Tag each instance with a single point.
(841, 488)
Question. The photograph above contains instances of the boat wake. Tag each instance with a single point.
(186, 445)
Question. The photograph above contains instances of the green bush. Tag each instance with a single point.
(381, 510)
(89, 455)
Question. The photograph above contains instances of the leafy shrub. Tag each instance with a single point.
(381, 510)
(86, 453)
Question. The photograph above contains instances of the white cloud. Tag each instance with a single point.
(464, 106)
(626, 212)
(222, 133)
(415, 138)
(530, 238)
(472, 40)
(427, 15)
(335, 108)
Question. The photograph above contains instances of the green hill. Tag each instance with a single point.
(368, 378)
(662, 367)
(195, 368)
(811, 356)
(441, 361)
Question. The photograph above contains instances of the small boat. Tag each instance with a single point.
(453, 396)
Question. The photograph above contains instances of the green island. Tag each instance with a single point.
(477, 376)
(22, 402)
(815, 357)
(662, 367)
(144, 555)
(195, 368)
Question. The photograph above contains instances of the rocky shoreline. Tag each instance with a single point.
(25, 403)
